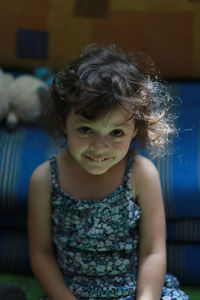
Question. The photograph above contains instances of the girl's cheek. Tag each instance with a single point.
(121, 144)
(77, 143)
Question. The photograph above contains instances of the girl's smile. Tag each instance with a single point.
(96, 159)
(98, 145)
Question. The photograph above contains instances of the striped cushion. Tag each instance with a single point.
(183, 230)
(180, 171)
(14, 254)
(183, 262)
(21, 152)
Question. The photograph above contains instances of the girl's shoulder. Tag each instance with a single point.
(43, 171)
(41, 175)
(144, 171)
(39, 191)
(143, 164)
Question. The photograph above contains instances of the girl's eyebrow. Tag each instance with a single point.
(82, 119)
(124, 124)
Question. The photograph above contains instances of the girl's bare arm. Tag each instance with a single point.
(43, 263)
(152, 247)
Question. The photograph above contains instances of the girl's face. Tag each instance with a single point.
(99, 145)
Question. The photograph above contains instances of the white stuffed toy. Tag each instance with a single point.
(5, 81)
(21, 98)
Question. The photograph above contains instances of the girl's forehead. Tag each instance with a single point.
(115, 117)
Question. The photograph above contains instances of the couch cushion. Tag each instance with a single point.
(183, 262)
(14, 253)
(179, 169)
(183, 230)
(21, 152)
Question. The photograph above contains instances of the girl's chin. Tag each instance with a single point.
(95, 170)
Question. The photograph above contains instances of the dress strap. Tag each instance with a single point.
(129, 167)
(54, 172)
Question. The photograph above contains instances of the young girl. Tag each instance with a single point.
(96, 213)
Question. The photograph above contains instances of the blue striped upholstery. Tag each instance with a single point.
(183, 230)
(14, 255)
(180, 171)
(13, 221)
(183, 261)
(23, 150)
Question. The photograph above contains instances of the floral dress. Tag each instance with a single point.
(96, 243)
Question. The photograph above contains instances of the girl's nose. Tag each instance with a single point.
(99, 144)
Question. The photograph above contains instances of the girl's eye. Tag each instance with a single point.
(117, 133)
(85, 130)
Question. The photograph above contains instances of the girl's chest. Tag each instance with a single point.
(90, 188)
(83, 189)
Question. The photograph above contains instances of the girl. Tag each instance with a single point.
(96, 213)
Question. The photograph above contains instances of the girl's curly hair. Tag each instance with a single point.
(105, 77)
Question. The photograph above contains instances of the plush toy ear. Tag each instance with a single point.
(11, 121)
(9, 291)
(5, 81)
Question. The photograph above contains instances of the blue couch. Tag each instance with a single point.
(24, 149)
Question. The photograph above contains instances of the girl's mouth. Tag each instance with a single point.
(97, 159)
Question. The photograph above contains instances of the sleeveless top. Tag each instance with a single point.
(96, 241)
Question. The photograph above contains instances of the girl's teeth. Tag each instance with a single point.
(97, 159)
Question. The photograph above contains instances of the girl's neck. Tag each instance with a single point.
(80, 184)
(80, 171)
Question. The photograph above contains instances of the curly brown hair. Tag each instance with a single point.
(105, 77)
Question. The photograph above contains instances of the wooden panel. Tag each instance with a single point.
(91, 8)
(166, 36)
(20, 15)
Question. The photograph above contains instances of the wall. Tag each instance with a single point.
(51, 32)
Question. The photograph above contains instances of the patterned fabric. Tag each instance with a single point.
(96, 243)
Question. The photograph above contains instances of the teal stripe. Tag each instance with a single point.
(4, 146)
(198, 160)
(14, 256)
(9, 169)
(10, 175)
(6, 172)
(171, 179)
(5, 256)
(168, 180)
(17, 170)
(166, 173)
